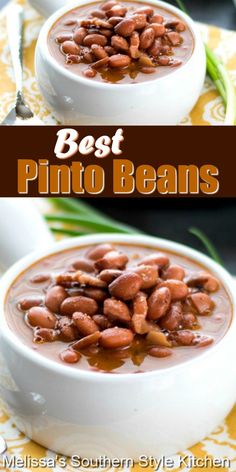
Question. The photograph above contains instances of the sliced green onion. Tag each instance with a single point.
(88, 222)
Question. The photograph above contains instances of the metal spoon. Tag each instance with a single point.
(20, 113)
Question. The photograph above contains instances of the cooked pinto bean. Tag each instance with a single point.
(158, 259)
(140, 20)
(67, 330)
(174, 271)
(204, 280)
(202, 302)
(81, 304)
(159, 303)
(84, 323)
(79, 35)
(184, 337)
(29, 302)
(83, 264)
(178, 289)
(160, 351)
(147, 37)
(125, 27)
(86, 341)
(102, 322)
(42, 317)
(42, 335)
(70, 357)
(97, 252)
(189, 320)
(148, 274)
(113, 259)
(70, 47)
(172, 320)
(114, 338)
(54, 298)
(126, 286)
(87, 279)
(95, 293)
(118, 43)
(119, 60)
(108, 275)
(116, 310)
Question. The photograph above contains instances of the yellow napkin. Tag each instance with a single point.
(208, 111)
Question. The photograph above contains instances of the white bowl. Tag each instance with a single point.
(77, 100)
(125, 415)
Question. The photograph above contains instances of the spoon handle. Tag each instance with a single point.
(15, 35)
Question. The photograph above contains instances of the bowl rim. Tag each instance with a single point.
(42, 44)
(157, 243)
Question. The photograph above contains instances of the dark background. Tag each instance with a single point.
(172, 219)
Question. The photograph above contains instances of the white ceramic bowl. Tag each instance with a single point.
(125, 415)
(77, 100)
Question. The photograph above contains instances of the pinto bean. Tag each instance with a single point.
(164, 60)
(116, 310)
(54, 298)
(100, 63)
(78, 304)
(140, 306)
(94, 38)
(118, 43)
(203, 280)
(70, 47)
(102, 322)
(42, 317)
(178, 289)
(84, 264)
(155, 49)
(174, 38)
(84, 323)
(202, 303)
(125, 27)
(42, 335)
(147, 70)
(108, 275)
(159, 303)
(146, 38)
(113, 259)
(119, 60)
(98, 13)
(156, 19)
(203, 341)
(145, 10)
(184, 337)
(126, 286)
(61, 38)
(158, 338)
(115, 19)
(88, 279)
(95, 293)
(116, 10)
(67, 330)
(108, 5)
(140, 20)
(99, 251)
(189, 320)
(89, 73)
(29, 302)
(113, 338)
(160, 351)
(40, 278)
(173, 319)
(159, 30)
(99, 52)
(73, 59)
(148, 274)
(70, 357)
(79, 35)
(174, 271)
(158, 259)
(86, 341)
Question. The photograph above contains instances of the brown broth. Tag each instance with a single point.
(129, 360)
(131, 74)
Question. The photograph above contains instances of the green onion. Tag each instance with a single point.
(207, 244)
(68, 232)
(90, 223)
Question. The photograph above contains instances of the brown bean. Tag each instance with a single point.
(102, 322)
(91, 280)
(29, 302)
(40, 278)
(89, 73)
(103, 25)
(108, 275)
(113, 259)
(99, 251)
(155, 49)
(86, 341)
(159, 303)
(110, 51)
(81, 304)
(64, 37)
(178, 289)
(119, 60)
(184, 337)
(118, 42)
(189, 320)
(116, 310)
(148, 274)
(174, 271)
(147, 70)
(98, 14)
(67, 329)
(158, 338)
(146, 38)
(174, 38)
(66, 279)
(180, 27)
(160, 352)
(203, 341)
(108, 5)
(98, 51)
(73, 59)
(79, 35)
(113, 338)
(94, 38)
(42, 317)
(156, 19)
(54, 298)
(116, 10)
(164, 60)
(173, 319)
(70, 357)
(42, 335)
(202, 303)
(145, 10)
(159, 30)
(84, 323)
(82, 263)
(140, 20)
(115, 19)
(134, 45)
(126, 286)
(70, 47)
(140, 306)
(125, 27)
(159, 259)
(95, 293)
(100, 63)
(204, 280)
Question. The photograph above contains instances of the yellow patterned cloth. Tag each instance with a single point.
(208, 111)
